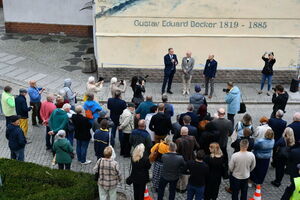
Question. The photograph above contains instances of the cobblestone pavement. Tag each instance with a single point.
(36, 153)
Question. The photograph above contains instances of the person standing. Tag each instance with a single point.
(82, 134)
(190, 112)
(279, 99)
(102, 139)
(138, 88)
(93, 87)
(144, 108)
(115, 86)
(109, 175)
(8, 104)
(126, 127)
(35, 94)
(233, 100)
(170, 61)
(62, 149)
(173, 165)
(59, 120)
(197, 99)
(169, 108)
(187, 66)
(140, 171)
(148, 118)
(160, 124)
(69, 94)
(22, 110)
(241, 164)
(140, 135)
(277, 124)
(295, 125)
(92, 108)
(267, 72)
(262, 128)
(47, 107)
(209, 74)
(16, 139)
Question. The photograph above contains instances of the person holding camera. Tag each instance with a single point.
(187, 69)
(115, 85)
(267, 72)
(170, 61)
(138, 88)
(279, 99)
(93, 87)
(233, 100)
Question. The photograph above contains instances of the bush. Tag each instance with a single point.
(28, 181)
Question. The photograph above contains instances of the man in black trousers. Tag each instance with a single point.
(170, 61)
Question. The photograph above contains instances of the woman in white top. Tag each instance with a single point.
(115, 85)
(262, 128)
(93, 87)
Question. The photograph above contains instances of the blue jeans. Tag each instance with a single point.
(17, 155)
(81, 150)
(70, 137)
(172, 188)
(195, 191)
(113, 133)
(49, 138)
(263, 79)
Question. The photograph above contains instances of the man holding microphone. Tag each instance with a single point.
(170, 61)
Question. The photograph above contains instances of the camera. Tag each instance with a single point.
(274, 89)
(122, 82)
(226, 90)
(100, 79)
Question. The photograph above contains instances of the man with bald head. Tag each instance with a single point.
(35, 94)
(296, 126)
(140, 135)
(209, 74)
(187, 66)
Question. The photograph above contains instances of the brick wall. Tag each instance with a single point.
(33, 28)
(237, 76)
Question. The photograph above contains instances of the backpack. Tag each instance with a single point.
(89, 113)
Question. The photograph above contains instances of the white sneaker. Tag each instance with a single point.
(250, 185)
(86, 162)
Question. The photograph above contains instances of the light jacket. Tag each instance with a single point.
(127, 121)
(34, 94)
(233, 100)
(8, 104)
(263, 148)
(70, 95)
(296, 194)
(46, 110)
(260, 131)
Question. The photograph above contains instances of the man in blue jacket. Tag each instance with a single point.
(170, 61)
(22, 110)
(35, 101)
(233, 100)
(16, 139)
(209, 74)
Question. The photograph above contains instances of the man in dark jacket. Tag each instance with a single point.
(197, 99)
(296, 126)
(116, 106)
(140, 135)
(173, 166)
(170, 61)
(277, 124)
(82, 134)
(209, 74)
(22, 110)
(190, 113)
(16, 139)
(193, 131)
(279, 99)
(160, 124)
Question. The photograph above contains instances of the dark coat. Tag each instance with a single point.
(186, 146)
(116, 107)
(236, 144)
(82, 127)
(160, 124)
(169, 66)
(140, 170)
(101, 140)
(268, 68)
(296, 128)
(280, 101)
(22, 108)
(210, 69)
(293, 161)
(139, 136)
(278, 126)
(193, 131)
(15, 136)
(193, 116)
(210, 135)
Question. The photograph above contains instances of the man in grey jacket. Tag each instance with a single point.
(173, 165)
(187, 66)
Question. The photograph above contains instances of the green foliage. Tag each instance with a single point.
(28, 181)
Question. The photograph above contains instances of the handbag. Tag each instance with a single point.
(153, 155)
(97, 174)
(243, 108)
(71, 154)
(129, 178)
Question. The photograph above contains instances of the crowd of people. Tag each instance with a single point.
(189, 154)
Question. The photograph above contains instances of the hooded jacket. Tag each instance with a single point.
(233, 100)
(16, 138)
(63, 148)
(58, 120)
(197, 100)
(94, 107)
(70, 95)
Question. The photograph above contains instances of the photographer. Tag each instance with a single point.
(267, 72)
(93, 87)
(279, 99)
(115, 85)
(233, 100)
(138, 88)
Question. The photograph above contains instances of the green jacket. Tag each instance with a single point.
(62, 148)
(296, 194)
(8, 104)
(58, 120)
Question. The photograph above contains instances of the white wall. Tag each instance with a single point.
(47, 12)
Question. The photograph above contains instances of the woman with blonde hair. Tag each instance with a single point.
(140, 171)
(161, 148)
(216, 163)
(282, 147)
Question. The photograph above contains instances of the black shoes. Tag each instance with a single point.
(275, 183)
(170, 92)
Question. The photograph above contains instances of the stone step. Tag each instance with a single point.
(16, 60)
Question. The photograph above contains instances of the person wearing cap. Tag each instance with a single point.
(125, 129)
(187, 66)
(16, 138)
(63, 149)
(8, 104)
(35, 94)
(22, 110)
(197, 99)
(209, 73)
